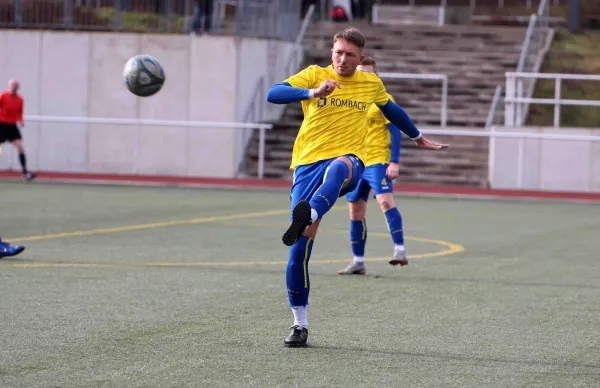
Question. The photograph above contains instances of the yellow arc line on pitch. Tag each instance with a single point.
(149, 226)
(451, 250)
(451, 247)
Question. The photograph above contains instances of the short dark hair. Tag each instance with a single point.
(369, 61)
(352, 35)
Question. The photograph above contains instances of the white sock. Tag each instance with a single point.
(359, 259)
(314, 216)
(300, 316)
(399, 246)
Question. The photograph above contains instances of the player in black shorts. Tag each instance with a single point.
(11, 114)
(9, 133)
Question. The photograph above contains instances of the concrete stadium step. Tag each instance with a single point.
(408, 15)
(370, 30)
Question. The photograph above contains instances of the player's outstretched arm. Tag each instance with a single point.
(284, 93)
(400, 118)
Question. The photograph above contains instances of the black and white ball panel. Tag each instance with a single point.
(144, 75)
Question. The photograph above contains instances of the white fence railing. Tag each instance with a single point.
(393, 13)
(137, 143)
(536, 44)
(431, 77)
(521, 137)
(510, 135)
(516, 101)
(135, 147)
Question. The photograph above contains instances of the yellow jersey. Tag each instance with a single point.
(378, 136)
(335, 125)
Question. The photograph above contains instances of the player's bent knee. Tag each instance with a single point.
(18, 145)
(386, 201)
(348, 163)
(346, 160)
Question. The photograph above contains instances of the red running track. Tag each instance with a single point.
(443, 191)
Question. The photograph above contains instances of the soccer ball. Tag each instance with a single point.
(144, 76)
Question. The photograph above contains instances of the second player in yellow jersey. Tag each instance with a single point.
(379, 137)
(383, 154)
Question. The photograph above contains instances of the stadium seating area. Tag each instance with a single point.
(475, 59)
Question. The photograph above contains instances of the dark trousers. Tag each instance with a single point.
(202, 8)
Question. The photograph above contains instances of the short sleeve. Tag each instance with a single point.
(305, 79)
(381, 96)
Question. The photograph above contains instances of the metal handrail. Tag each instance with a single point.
(494, 107)
(514, 95)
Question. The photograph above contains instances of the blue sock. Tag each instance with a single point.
(297, 280)
(394, 220)
(358, 237)
(326, 195)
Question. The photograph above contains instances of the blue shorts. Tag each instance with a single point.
(374, 177)
(309, 177)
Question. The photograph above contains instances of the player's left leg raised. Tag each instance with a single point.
(338, 173)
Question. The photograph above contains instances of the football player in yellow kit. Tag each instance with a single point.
(329, 152)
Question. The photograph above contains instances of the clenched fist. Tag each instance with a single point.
(326, 88)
